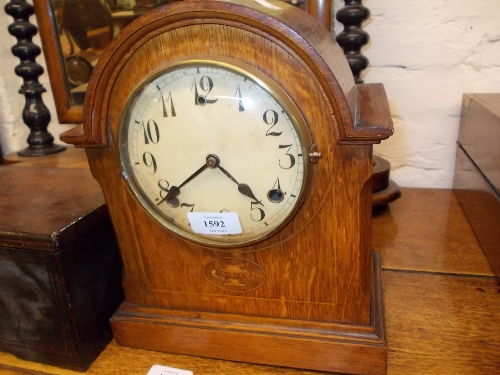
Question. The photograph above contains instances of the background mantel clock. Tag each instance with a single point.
(246, 112)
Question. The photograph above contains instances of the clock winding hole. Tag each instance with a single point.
(173, 202)
(275, 195)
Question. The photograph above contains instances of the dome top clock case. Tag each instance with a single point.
(235, 154)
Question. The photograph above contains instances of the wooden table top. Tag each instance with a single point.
(442, 301)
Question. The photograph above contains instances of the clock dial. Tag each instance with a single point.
(204, 136)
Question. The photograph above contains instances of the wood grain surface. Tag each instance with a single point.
(438, 320)
(441, 324)
(426, 230)
(36, 208)
(72, 158)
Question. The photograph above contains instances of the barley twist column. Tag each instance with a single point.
(35, 114)
(353, 37)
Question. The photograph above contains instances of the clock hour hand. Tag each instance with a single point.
(242, 188)
(174, 191)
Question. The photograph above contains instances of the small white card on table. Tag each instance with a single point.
(164, 370)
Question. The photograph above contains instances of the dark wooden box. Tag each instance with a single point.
(477, 171)
(60, 268)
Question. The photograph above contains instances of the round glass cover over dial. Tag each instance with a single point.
(209, 137)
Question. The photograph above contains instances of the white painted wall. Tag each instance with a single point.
(11, 130)
(427, 53)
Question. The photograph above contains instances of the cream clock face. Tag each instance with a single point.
(214, 139)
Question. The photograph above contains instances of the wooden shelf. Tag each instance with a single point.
(427, 231)
(442, 301)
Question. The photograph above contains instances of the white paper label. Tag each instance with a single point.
(214, 223)
(164, 370)
(267, 4)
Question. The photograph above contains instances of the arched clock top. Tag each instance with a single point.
(359, 112)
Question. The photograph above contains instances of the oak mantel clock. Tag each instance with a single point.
(235, 153)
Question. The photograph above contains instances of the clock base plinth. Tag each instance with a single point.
(310, 345)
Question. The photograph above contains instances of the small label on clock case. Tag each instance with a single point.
(215, 223)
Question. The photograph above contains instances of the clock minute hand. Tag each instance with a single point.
(245, 190)
(242, 188)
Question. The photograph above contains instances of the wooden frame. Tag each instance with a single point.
(66, 112)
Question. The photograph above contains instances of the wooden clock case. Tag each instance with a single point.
(318, 304)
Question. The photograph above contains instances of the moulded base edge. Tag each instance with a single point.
(319, 346)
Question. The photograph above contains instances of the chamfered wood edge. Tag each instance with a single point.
(319, 346)
(75, 136)
(373, 116)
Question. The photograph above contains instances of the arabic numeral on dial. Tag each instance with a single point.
(290, 156)
(172, 108)
(151, 132)
(188, 205)
(206, 85)
(164, 188)
(271, 117)
(257, 213)
(149, 161)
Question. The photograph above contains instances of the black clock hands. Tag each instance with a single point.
(245, 190)
(174, 191)
(242, 188)
(229, 175)
(211, 162)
